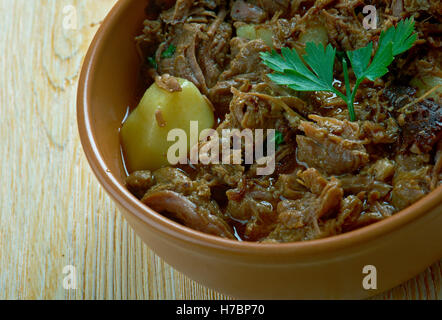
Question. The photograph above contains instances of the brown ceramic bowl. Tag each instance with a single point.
(399, 247)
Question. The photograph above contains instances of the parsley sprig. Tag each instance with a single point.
(316, 74)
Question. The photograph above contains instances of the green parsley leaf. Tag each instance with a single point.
(169, 52)
(316, 74)
(380, 63)
(392, 42)
(401, 37)
(360, 59)
(321, 61)
(291, 71)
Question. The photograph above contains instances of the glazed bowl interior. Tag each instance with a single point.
(108, 87)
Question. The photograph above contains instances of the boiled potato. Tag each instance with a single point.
(314, 32)
(253, 32)
(144, 134)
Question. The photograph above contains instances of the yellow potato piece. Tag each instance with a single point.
(316, 33)
(426, 83)
(253, 32)
(144, 134)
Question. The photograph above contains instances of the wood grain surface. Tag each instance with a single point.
(53, 212)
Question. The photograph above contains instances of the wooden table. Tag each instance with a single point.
(53, 212)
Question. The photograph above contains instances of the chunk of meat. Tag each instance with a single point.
(324, 201)
(329, 156)
(296, 220)
(213, 49)
(290, 187)
(247, 12)
(417, 6)
(313, 180)
(330, 199)
(150, 38)
(330, 192)
(343, 128)
(283, 32)
(422, 126)
(139, 182)
(421, 122)
(399, 96)
(187, 201)
(183, 63)
(301, 219)
(328, 152)
(179, 12)
(185, 11)
(255, 111)
(295, 214)
(373, 213)
(349, 213)
(247, 63)
(411, 181)
(364, 183)
(383, 169)
(221, 174)
(253, 202)
(201, 51)
(274, 6)
(244, 70)
(345, 30)
(188, 213)
(408, 187)
(338, 146)
(379, 133)
(366, 131)
(190, 11)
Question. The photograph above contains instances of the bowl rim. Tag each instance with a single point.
(179, 232)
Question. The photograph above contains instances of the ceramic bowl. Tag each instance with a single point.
(399, 247)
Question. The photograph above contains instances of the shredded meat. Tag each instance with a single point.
(331, 175)
(188, 213)
(421, 122)
(139, 182)
(411, 181)
(333, 154)
(247, 12)
(184, 62)
(186, 201)
(244, 70)
(214, 48)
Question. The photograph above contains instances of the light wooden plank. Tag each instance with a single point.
(53, 213)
